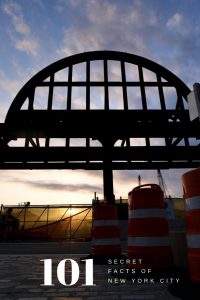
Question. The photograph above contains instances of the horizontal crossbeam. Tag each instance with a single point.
(137, 153)
(99, 165)
(82, 124)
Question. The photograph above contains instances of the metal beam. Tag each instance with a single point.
(137, 153)
(124, 124)
(99, 165)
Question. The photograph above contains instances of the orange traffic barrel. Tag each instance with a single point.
(191, 189)
(148, 236)
(105, 231)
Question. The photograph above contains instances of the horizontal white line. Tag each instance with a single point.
(148, 241)
(97, 223)
(147, 213)
(193, 240)
(192, 203)
(106, 242)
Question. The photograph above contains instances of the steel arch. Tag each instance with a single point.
(107, 125)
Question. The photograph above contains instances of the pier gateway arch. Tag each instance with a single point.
(101, 110)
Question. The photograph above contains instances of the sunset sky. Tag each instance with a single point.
(36, 33)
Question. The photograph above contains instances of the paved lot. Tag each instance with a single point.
(42, 247)
(21, 277)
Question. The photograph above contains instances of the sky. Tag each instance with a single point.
(36, 33)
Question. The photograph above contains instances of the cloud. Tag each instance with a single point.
(10, 86)
(73, 2)
(175, 22)
(62, 5)
(101, 11)
(131, 176)
(20, 33)
(58, 186)
(26, 45)
(108, 26)
(136, 28)
(76, 41)
(8, 90)
(14, 11)
(126, 180)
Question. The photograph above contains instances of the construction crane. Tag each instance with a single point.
(167, 196)
(162, 184)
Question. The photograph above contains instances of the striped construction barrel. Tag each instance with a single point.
(148, 237)
(105, 231)
(191, 189)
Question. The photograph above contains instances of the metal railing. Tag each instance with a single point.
(51, 221)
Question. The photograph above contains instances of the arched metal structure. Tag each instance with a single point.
(103, 96)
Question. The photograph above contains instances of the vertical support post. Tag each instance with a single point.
(70, 224)
(109, 196)
(1, 212)
(106, 92)
(47, 220)
(50, 102)
(24, 216)
(108, 190)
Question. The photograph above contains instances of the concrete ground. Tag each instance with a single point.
(22, 276)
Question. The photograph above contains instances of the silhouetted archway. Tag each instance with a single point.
(100, 110)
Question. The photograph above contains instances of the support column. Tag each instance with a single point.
(109, 196)
(108, 190)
